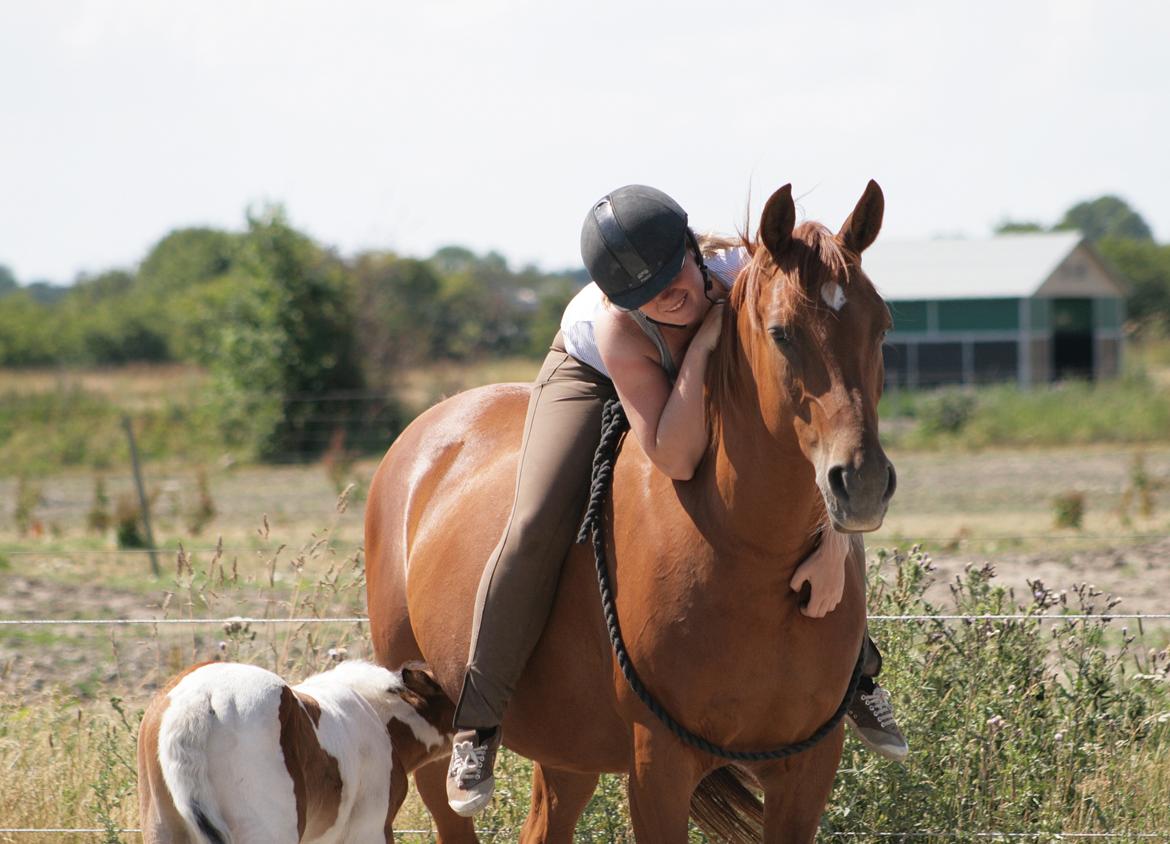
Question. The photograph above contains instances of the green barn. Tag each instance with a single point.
(1032, 308)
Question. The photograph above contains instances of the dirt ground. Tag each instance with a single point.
(967, 509)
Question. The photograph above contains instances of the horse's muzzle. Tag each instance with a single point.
(857, 495)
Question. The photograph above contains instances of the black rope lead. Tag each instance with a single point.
(613, 425)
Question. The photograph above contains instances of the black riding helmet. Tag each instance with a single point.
(633, 244)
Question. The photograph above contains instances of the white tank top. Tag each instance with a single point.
(584, 309)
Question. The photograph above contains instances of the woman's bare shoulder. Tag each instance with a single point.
(619, 338)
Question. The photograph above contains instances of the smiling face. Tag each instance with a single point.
(682, 302)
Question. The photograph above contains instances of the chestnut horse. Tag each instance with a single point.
(701, 568)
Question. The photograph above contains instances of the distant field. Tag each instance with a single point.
(55, 419)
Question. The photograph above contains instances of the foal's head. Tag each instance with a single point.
(810, 327)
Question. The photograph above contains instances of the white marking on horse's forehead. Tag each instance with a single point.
(833, 295)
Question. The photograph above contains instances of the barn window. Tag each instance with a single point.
(939, 363)
(996, 361)
(896, 358)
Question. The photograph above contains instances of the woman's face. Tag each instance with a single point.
(682, 302)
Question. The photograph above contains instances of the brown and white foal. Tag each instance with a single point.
(231, 753)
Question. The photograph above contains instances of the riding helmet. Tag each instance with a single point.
(633, 244)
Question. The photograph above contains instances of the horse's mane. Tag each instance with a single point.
(812, 258)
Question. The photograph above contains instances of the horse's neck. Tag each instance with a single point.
(772, 493)
(756, 491)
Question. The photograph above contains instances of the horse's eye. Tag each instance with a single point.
(780, 335)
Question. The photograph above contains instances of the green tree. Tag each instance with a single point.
(46, 291)
(1146, 266)
(1106, 216)
(104, 320)
(8, 282)
(286, 338)
(187, 257)
(28, 335)
(397, 312)
(173, 279)
(480, 309)
(1018, 227)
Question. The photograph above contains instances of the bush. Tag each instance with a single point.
(284, 338)
(1129, 410)
(128, 527)
(946, 412)
(1069, 510)
(1015, 726)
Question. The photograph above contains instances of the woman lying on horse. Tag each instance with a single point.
(643, 331)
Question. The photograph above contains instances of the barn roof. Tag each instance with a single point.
(1011, 266)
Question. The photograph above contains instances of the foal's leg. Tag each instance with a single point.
(797, 789)
(662, 780)
(558, 799)
(450, 828)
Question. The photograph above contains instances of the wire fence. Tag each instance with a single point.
(937, 617)
(897, 541)
(949, 835)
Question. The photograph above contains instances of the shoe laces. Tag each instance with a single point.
(467, 760)
(879, 704)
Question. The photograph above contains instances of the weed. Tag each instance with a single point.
(128, 527)
(338, 460)
(28, 499)
(946, 412)
(204, 510)
(1141, 491)
(98, 519)
(1069, 509)
(116, 774)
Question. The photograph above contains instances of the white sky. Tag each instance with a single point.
(495, 123)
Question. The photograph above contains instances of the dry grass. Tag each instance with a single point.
(138, 383)
(424, 386)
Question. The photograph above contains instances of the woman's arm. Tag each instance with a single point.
(669, 422)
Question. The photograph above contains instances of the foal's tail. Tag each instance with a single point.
(182, 752)
(725, 807)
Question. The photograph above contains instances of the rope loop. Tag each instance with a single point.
(613, 425)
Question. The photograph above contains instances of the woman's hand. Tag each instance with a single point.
(824, 571)
(708, 334)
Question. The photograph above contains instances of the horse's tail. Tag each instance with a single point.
(182, 752)
(725, 807)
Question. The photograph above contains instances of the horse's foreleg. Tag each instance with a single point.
(662, 778)
(558, 799)
(797, 789)
(450, 828)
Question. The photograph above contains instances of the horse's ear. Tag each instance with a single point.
(777, 221)
(418, 678)
(863, 225)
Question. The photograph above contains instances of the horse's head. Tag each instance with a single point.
(810, 326)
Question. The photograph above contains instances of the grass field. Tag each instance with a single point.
(1017, 727)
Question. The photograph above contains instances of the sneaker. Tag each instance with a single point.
(872, 718)
(470, 779)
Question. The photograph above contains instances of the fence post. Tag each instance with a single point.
(141, 494)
